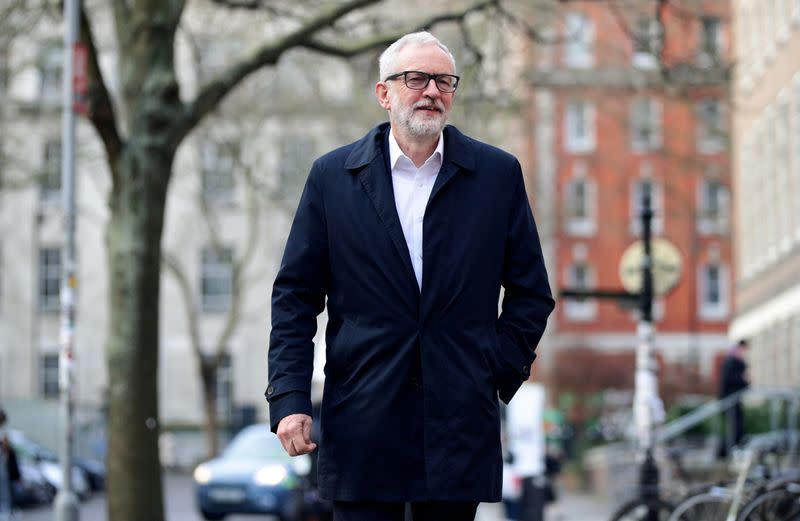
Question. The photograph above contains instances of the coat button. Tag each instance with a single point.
(526, 369)
(415, 381)
(270, 390)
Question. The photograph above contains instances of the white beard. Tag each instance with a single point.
(418, 124)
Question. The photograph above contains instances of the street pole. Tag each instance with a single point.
(646, 400)
(66, 507)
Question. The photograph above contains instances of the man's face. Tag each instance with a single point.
(420, 113)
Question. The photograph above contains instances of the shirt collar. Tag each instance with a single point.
(396, 153)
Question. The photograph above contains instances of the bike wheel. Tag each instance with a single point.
(774, 505)
(638, 510)
(708, 506)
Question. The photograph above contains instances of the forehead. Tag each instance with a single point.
(426, 58)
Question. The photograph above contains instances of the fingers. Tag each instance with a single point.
(294, 431)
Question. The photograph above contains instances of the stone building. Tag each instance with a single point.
(766, 165)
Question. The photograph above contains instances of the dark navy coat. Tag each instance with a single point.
(412, 379)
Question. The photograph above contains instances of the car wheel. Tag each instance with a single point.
(211, 516)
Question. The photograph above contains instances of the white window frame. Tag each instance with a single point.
(579, 35)
(645, 43)
(710, 220)
(48, 375)
(580, 223)
(713, 311)
(579, 126)
(51, 72)
(50, 180)
(710, 135)
(216, 279)
(220, 160)
(49, 277)
(704, 57)
(580, 310)
(645, 114)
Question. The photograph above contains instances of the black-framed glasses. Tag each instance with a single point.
(418, 80)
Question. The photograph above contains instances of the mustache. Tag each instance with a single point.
(429, 104)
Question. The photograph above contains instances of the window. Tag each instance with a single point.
(296, 155)
(579, 39)
(48, 375)
(713, 291)
(579, 203)
(219, 165)
(580, 276)
(712, 214)
(711, 126)
(49, 279)
(645, 125)
(50, 72)
(646, 186)
(710, 40)
(646, 43)
(224, 389)
(50, 185)
(216, 282)
(579, 126)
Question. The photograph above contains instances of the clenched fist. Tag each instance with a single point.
(294, 431)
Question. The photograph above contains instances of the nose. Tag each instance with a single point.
(431, 90)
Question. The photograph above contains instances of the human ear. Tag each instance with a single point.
(382, 93)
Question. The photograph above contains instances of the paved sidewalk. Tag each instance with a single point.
(571, 506)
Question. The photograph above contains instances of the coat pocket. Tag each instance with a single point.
(338, 353)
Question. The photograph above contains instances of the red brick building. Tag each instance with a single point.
(620, 103)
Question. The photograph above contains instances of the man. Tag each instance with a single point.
(409, 233)
(7, 467)
(733, 379)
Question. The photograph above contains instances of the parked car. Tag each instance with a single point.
(252, 475)
(46, 461)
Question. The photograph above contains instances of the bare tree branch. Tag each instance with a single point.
(174, 267)
(99, 108)
(210, 95)
(382, 40)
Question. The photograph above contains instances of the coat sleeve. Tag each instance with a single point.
(527, 300)
(298, 296)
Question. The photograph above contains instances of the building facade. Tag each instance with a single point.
(766, 132)
(627, 103)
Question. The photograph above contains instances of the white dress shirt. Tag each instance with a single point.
(412, 189)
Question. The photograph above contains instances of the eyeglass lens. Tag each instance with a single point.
(418, 80)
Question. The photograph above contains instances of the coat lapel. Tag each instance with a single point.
(458, 157)
(368, 161)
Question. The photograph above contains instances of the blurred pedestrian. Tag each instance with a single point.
(9, 471)
(733, 379)
(408, 236)
(526, 436)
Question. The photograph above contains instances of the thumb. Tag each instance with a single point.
(307, 430)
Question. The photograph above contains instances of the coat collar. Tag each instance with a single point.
(458, 148)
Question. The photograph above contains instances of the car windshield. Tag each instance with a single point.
(256, 443)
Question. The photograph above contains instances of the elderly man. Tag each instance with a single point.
(409, 233)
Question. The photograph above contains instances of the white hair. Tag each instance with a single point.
(388, 58)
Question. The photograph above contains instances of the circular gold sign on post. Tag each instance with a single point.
(666, 267)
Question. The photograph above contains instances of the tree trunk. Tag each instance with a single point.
(134, 256)
(208, 378)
